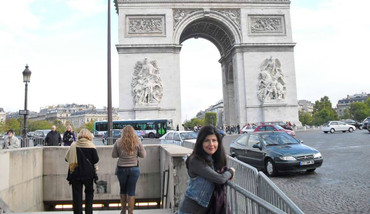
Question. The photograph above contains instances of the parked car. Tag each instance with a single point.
(368, 127)
(337, 126)
(272, 127)
(39, 137)
(179, 137)
(275, 152)
(353, 123)
(30, 134)
(365, 122)
(248, 128)
(280, 123)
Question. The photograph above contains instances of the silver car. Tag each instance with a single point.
(179, 137)
(337, 126)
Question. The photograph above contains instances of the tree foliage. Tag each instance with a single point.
(210, 118)
(359, 111)
(194, 122)
(13, 124)
(40, 124)
(323, 112)
(305, 118)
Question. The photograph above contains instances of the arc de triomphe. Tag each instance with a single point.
(254, 38)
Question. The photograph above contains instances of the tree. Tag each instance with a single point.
(305, 118)
(323, 112)
(346, 114)
(193, 122)
(2, 128)
(359, 110)
(14, 125)
(90, 126)
(210, 118)
(41, 124)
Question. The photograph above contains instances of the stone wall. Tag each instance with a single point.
(31, 176)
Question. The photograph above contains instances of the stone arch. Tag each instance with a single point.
(247, 33)
(201, 23)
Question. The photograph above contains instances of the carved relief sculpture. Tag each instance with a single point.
(146, 85)
(233, 15)
(180, 14)
(145, 25)
(271, 83)
(266, 24)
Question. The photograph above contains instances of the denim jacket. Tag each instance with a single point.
(200, 190)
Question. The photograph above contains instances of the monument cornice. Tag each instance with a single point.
(256, 47)
(148, 48)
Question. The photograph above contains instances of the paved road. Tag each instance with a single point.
(341, 185)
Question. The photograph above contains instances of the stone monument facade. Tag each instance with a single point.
(254, 38)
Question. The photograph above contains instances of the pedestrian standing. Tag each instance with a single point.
(11, 142)
(82, 157)
(127, 149)
(69, 136)
(207, 173)
(53, 138)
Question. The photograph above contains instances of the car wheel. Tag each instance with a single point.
(332, 131)
(270, 168)
(325, 132)
(151, 135)
(311, 170)
(350, 129)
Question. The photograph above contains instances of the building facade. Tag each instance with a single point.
(345, 103)
(305, 106)
(80, 118)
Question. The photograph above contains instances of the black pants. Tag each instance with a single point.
(77, 196)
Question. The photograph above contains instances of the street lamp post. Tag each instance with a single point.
(26, 80)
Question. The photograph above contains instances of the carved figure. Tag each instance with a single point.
(146, 85)
(271, 84)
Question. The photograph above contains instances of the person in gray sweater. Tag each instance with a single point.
(207, 169)
(127, 149)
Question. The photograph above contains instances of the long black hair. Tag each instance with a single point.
(219, 157)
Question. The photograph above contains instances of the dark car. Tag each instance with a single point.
(39, 137)
(353, 123)
(275, 152)
(273, 127)
(365, 123)
(115, 135)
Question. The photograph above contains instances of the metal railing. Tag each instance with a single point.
(243, 201)
(248, 179)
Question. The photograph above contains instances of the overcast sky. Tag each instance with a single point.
(64, 43)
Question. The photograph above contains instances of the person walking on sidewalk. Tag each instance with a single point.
(127, 149)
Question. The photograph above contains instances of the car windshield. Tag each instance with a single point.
(188, 135)
(279, 127)
(271, 139)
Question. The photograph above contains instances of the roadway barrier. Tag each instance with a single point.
(249, 181)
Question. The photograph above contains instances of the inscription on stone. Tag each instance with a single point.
(145, 25)
(273, 24)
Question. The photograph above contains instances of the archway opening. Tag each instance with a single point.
(201, 77)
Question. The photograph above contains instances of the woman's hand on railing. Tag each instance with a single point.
(233, 173)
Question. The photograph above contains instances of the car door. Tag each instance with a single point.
(335, 126)
(254, 156)
(169, 138)
(240, 148)
(343, 126)
(176, 139)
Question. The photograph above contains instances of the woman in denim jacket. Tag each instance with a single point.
(204, 164)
